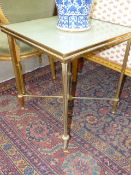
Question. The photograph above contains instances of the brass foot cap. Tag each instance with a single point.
(22, 108)
(66, 151)
(65, 137)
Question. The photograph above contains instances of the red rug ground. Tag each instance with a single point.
(30, 139)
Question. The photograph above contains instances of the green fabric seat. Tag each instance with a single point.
(18, 11)
(4, 47)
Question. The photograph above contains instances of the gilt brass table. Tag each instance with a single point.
(65, 46)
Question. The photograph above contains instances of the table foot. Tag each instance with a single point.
(65, 138)
(22, 101)
(114, 109)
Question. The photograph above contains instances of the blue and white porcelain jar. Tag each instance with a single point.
(73, 15)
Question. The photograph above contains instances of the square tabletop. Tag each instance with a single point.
(45, 34)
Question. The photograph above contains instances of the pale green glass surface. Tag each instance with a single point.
(44, 31)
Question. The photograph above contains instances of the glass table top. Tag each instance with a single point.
(45, 32)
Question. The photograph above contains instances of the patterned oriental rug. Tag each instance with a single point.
(30, 139)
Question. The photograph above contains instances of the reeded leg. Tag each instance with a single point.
(52, 65)
(22, 85)
(65, 136)
(69, 80)
(15, 54)
(74, 69)
(121, 76)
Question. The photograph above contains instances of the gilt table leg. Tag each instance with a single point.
(52, 66)
(65, 136)
(121, 76)
(15, 55)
